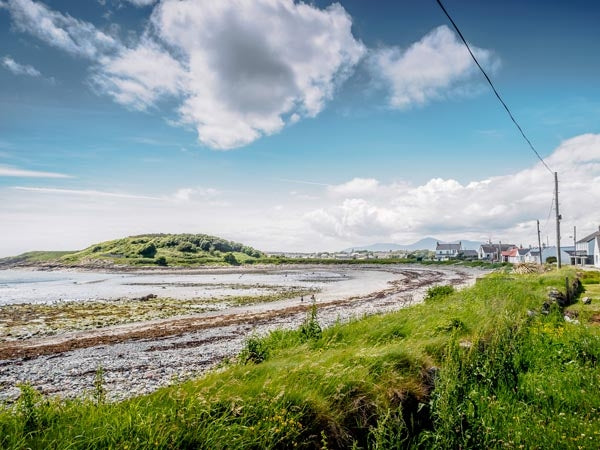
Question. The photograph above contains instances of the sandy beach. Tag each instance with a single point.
(163, 326)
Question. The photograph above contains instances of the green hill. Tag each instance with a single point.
(146, 250)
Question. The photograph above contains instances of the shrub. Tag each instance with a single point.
(148, 251)
(187, 247)
(439, 292)
(311, 329)
(161, 261)
(551, 260)
(229, 258)
(255, 351)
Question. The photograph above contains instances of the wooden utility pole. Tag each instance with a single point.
(539, 241)
(575, 243)
(558, 217)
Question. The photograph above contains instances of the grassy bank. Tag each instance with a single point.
(505, 375)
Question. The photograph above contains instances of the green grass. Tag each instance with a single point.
(503, 379)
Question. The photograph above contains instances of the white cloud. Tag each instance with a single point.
(138, 77)
(190, 194)
(429, 69)
(84, 192)
(60, 30)
(245, 68)
(141, 3)
(20, 69)
(239, 70)
(503, 207)
(357, 187)
(506, 205)
(9, 171)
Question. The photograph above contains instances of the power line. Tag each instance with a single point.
(493, 87)
(549, 211)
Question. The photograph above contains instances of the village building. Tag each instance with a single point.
(587, 249)
(493, 252)
(515, 255)
(469, 254)
(533, 255)
(444, 252)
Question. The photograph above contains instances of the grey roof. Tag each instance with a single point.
(589, 237)
(523, 251)
(448, 247)
(493, 248)
(470, 252)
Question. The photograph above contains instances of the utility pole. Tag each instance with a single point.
(539, 242)
(558, 217)
(575, 243)
(499, 251)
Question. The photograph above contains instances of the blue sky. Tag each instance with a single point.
(291, 126)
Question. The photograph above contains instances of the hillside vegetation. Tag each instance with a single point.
(147, 250)
(484, 367)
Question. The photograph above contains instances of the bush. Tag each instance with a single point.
(161, 261)
(551, 260)
(148, 251)
(255, 351)
(187, 247)
(229, 258)
(439, 292)
(311, 329)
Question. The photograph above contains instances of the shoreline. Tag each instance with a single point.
(143, 356)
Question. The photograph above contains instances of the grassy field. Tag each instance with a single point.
(479, 368)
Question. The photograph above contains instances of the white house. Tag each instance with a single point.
(597, 252)
(515, 255)
(492, 252)
(444, 252)
(586, 248)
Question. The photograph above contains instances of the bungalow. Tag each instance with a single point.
(490, 252)
(444, 252)
(586, 248)
(515, 255)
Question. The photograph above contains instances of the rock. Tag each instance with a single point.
(570, 320)
(531, 313)
(586, 300)
(147, 297)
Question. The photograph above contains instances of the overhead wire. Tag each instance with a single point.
(549, 212)
(493, 87)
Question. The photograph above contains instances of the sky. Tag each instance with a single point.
(295, 126)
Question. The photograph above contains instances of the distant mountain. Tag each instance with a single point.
(427, 243)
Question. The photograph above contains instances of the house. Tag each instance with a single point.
(491, 252)
(444, 252)
(597, 252)
(515, 255)
(469, 254)
(533, 255)
(586, 249)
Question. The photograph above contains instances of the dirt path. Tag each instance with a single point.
(141, 357)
